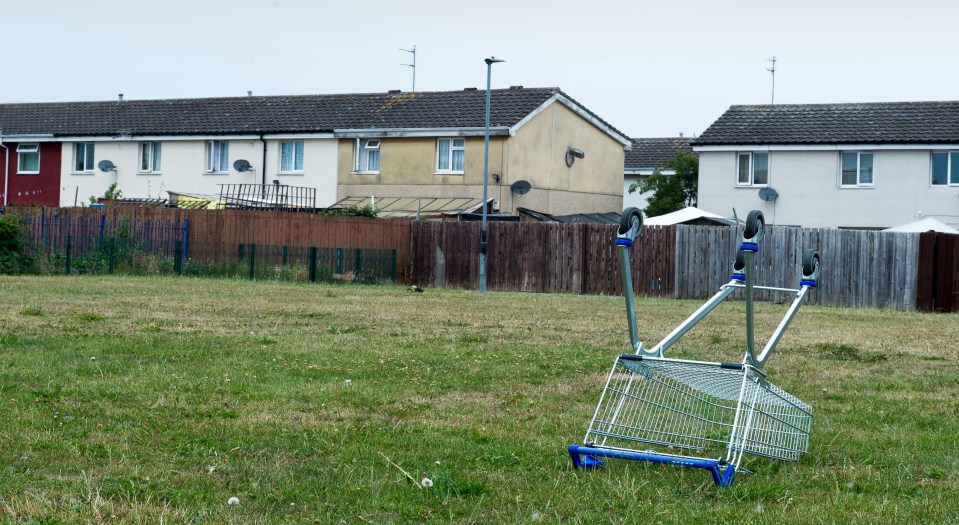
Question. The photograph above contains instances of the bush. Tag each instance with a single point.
(12, 259)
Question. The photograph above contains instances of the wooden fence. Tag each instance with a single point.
(541, 257)
(216, 234)
(859, 268)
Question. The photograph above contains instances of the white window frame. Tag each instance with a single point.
(449, 155)
(217, 156)
(949, 168)
(151, 154)
(362, 150)
(84, 168)
(27, 149)
(292, 168)
(859, 183)
(751, 183)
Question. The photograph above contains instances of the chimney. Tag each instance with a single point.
(393, 92)
(516, 87)
(249, 93)
(120, 95)
(469, 89)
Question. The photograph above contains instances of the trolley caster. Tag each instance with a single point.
(584, 461)
(630, 224)
(753, 234)
(810, 269)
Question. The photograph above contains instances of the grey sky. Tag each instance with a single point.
(649, 68)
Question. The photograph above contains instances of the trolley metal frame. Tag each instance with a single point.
(689, 409)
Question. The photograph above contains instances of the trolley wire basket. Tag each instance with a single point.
(696, 413)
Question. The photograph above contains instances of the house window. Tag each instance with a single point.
(291, 156)
(217, 157)
(83, 157)
(450, 154)
(753, 169)
(856, 169)
(28, 158)
(945, 168)
(367, 158)
(149, 157)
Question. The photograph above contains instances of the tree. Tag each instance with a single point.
(671, 192)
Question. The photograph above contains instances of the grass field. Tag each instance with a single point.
(132, 400)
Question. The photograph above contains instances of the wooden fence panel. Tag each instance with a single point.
(859, 268)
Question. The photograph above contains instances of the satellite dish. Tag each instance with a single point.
(768, 194)
(242, 165)
(520, 187)
(106, 165)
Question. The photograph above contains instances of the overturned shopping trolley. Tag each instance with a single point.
(695, 413)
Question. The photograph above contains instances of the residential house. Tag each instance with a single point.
(560, 156)
(871, 165)
(643, 159)
(547, 152)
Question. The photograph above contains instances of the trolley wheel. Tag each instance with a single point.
(754, 227)
(630, 223)
(740, 263)
(810, 264)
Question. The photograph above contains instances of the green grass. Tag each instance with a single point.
(136, 400)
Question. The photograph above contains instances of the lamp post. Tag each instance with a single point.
(482, 269)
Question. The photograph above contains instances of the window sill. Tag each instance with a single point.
(217, 173)
(364, 173)
(81, 173)
(751, 186)
(856, 187)
(28, 173)
(290, 174)
(448, 173)
(149, 173)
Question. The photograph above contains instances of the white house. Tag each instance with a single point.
(871, 165)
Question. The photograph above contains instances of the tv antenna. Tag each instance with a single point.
(413, 65)
(772, 70)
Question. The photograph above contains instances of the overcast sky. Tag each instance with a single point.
(651, 69)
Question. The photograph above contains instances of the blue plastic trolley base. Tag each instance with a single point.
(588, 458)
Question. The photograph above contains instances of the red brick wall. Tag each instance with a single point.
(42, 188)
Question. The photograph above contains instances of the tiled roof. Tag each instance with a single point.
(276, 114)
(870, 123)
(650, 153)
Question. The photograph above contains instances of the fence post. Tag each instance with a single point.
(112, 251)
(252, 259)
(339, 260)
(103, 225)
(312, 264)
(186, 236)
(239, 254)
(286, 250)
(69, 247)
(177, 257)
(357, 262)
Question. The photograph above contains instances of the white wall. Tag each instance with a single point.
(183, 164)
(810, 195)
(639, 200)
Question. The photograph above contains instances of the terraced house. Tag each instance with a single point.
(547, 151)
(872, 165)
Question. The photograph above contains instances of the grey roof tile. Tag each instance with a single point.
(650, 153)
(866, 123)
(276, 114)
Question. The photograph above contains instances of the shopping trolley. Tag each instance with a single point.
(697, 413)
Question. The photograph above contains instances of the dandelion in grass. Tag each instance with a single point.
(233, 501)
(427, 483)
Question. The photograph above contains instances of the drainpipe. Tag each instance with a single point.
(6, 170)
(263, 166)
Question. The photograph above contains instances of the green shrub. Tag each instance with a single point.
(12, 259)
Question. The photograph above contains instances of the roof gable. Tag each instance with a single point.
(811, 124)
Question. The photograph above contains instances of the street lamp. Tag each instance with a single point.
(482, 269)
